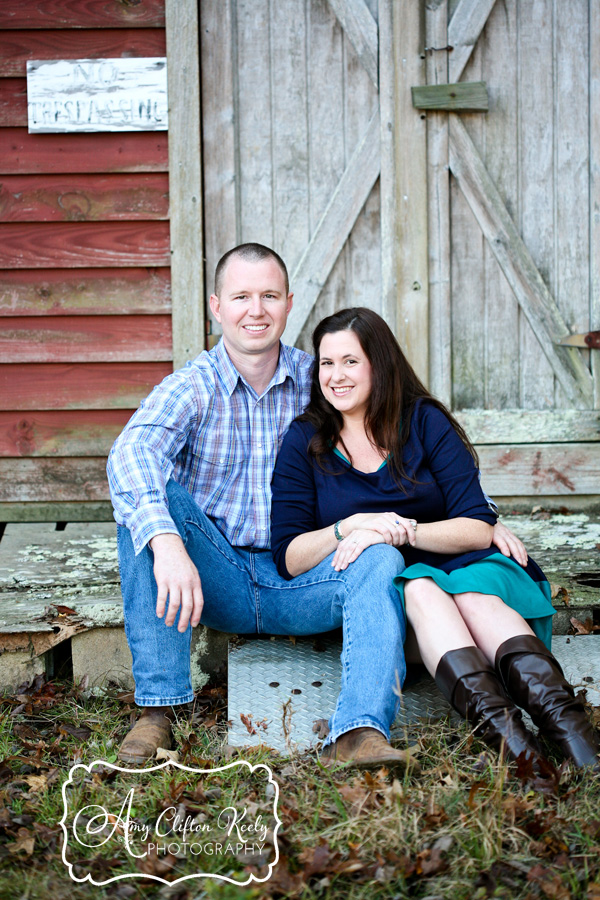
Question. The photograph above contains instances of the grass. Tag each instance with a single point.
(467, 827)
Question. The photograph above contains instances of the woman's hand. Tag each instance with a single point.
(352, 546)
(509, 544)
(395, 530)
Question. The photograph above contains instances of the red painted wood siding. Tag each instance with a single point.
(26, 154)
(83, 198)
(85, 386)
(16, 47)
(81, 14)
(57, 292)
(85, 326)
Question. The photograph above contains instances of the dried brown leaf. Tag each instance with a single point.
(247, 720)
(317, 860)
(24, 843)
(586, 627)
(283, 882)
(36, 783)
(82, 733)
(65, 610)
(430, 862)
(152, 864)
(549, 882)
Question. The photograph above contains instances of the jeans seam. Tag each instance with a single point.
(208, 537)
(168, 701)
(256, 592)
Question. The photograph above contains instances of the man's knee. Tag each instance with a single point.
(181, 504)
(380, 561)
(176, 494)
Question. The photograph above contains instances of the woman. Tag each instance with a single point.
(375, 458)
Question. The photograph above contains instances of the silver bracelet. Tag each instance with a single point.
(337, 530)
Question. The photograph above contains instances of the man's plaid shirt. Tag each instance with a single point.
(207, 428)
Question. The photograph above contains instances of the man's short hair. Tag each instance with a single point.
(249, 253)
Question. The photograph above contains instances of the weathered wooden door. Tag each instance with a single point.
(514, 238)
(292, 147)
(476, 235)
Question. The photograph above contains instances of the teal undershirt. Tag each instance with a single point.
(341, 456)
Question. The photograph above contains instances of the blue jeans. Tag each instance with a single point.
(244, 594)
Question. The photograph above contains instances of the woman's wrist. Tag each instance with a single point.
(343, 527)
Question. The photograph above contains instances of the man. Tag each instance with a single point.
(190, 484)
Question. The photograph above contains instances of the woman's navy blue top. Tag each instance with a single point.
(446, 486)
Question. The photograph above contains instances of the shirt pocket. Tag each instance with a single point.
(218, 466)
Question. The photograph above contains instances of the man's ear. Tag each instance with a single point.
(215, 305)
(290, 303)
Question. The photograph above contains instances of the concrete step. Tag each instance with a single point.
(64, 585)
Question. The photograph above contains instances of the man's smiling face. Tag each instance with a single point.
(252, 306)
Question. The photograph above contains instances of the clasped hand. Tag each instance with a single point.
(372, 528)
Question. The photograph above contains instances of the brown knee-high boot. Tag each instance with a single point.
(534, 679)
(470, 683)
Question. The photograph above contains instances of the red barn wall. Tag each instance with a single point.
(85, 299)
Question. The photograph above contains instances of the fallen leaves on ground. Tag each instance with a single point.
(339, 831)
(586, 627)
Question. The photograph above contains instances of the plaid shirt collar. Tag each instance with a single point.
(230, 376)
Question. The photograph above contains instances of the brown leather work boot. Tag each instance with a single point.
(152, 730)
(366, 748)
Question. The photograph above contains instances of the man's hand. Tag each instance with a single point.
(508, 544)
(177, 578)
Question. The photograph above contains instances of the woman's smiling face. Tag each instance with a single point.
(345, 373)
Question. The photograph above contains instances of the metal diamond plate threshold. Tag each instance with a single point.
(279, 687)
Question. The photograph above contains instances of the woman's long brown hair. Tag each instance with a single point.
(394, 392)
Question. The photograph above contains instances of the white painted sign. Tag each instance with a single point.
(97, 95)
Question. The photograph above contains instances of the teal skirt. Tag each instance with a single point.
(497, 575)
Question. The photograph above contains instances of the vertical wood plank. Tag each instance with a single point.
(327, 156)
(331, 234)
(363, 251)
(410, 166)
(185, 180)
(469, 277)
(536, 182)
(387, 181)
(254, 122)
(571, 26)
(290, 132)
(436, 32)
(218, 139)
(518, 266)
(499, 47)
(594, 112)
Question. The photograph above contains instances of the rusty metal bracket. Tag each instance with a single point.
(430, 50)
(591, 340)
